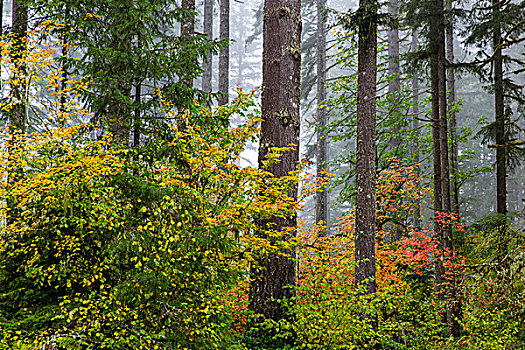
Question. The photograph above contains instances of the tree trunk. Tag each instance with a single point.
(208, 60)
(445, 282)
(64, 55)
(321, 198)
(18, 97)
(280, 128)
(224, 57)
(451, 84)
(18, 117)
(394, 82)
(436, 148)
(365, 225)
(499, 106)
(415, 126)
(187, 29)
(454, 309)
(138, 91)
(187, 26)
(119, 106)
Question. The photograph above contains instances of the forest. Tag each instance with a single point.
(262, 174)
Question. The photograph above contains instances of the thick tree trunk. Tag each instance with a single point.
(365, 226)
(415, 126)
(451, 84)
(224, 57)
(499, 111)
(208, 60)
(280, 128)
(394, 72)
(321, 198)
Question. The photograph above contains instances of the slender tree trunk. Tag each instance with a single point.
(224, 57)
(394, 72)
(454, 308)
(321, 198)
(187, 26)
(415, 126)
(451, 83)
(137, 121)
(445, 282)
(138, 91)
(436, 148)
(208, 60)
(280, 128)
(63, 83)
(499, 106)
(18, 97)
(365, 225)
(119, 106)
(18, 117)
(187, 30)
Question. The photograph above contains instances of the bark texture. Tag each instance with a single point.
(280, 128)
(499, 112)
(321, 198)
(445, 283)
(439, 269)
(365, 226)
(415, 125)
(394, 72)
(451, 85)
(224, 57)
(187, 29)
(119, 101)
(208, 60)
(18, 115)
(18, 96)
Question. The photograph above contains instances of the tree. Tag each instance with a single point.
(187, 30)
(394, 72)
(445, 283)
(365, 226)
(321, 199)
(451, 85)
(208, 60)
(224, 57)
(18, 114)
(273, 277)
(415, 123)
(499, 24)
(499, 110)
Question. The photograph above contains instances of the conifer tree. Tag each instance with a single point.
(499, 24)
(274, 275)
(224, 57)
(208, 60)
(365, 224)
(321, 199)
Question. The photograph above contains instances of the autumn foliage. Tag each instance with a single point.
(117, 247)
